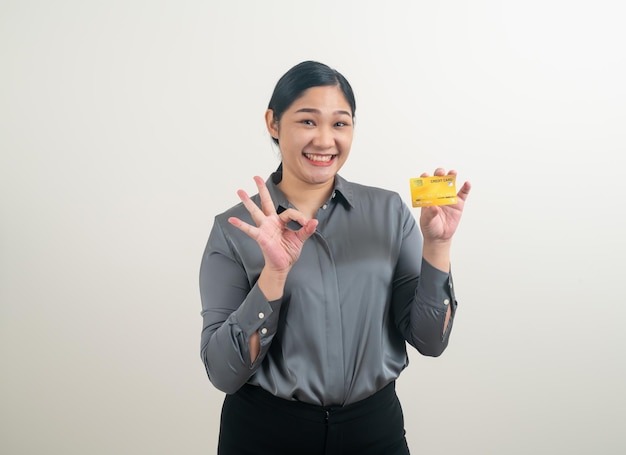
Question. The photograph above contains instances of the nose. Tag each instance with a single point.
(324, 137)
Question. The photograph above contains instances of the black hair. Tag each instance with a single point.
(301, 77)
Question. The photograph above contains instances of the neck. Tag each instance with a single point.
(306, 197)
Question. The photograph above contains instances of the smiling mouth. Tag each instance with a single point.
(319, 158)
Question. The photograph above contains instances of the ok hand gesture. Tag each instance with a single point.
(281, 246)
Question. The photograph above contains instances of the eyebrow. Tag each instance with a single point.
(317, 111)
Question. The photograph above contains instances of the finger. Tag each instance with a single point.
(244, 227)
(253, 209)
(293, 215)
(267, 205)
(438, 171)
(464, 191)
(307, 230)
(430, 212)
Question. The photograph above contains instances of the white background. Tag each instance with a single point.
(126, 125)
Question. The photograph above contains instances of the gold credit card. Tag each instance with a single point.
(433, 190)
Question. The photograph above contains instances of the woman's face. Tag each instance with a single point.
(315, 135)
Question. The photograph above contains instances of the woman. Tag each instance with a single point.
(312, 288)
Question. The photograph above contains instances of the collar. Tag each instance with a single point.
(342, 191)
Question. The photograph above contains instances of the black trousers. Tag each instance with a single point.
(255, 422)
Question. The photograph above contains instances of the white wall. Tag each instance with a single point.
(126, 125)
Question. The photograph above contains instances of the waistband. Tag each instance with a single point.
(385, 397)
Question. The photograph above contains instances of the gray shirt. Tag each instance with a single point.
(359, 291)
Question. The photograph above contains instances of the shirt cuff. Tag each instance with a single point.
(258, 314)
(435, 287)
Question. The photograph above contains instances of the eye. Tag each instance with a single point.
(307, 122)
(340, 124)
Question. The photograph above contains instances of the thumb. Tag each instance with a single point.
(307, 230)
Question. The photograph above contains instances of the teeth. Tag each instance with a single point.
(322, 158)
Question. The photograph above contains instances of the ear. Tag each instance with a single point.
(271, 123)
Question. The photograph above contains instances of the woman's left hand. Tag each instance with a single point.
(439, 222)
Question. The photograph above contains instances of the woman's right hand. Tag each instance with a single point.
(281, 246)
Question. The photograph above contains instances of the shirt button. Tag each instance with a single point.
(261, 315)
(325, 206)
(263, 331)
(334, 194)
(446, 302)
